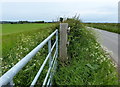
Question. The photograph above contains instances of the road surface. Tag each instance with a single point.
(108, 40)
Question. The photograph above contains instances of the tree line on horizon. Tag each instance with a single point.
(20, 22)
(24, 22)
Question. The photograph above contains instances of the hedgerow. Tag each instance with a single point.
(88, 63)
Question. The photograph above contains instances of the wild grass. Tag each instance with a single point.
(88, 64)
(111, 27)
(17, 44)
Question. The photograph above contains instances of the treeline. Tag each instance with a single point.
(23, 22)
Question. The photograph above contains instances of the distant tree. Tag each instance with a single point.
(21, 22)
(39, 21)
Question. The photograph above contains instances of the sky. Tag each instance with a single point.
(49, 10)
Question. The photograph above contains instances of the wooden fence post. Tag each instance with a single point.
(63, 42)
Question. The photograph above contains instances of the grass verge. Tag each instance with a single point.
(111, 27)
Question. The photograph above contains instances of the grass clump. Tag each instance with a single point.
(88, 64)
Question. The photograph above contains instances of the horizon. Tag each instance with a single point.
(52, 21)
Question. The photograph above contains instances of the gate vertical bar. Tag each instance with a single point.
(56, 50)
(55, 66)
(55, 61)
(49, 51)
(57, 43)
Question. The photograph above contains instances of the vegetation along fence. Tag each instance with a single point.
(7, 78)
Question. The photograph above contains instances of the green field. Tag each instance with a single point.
(111, 27)
(17, 41)
(15, 28)
(11, 32)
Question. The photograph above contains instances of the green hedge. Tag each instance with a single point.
(88, 64)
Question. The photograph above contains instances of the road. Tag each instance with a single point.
(108, 40)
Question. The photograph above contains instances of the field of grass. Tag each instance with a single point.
(15, 28)
(17, 41)
(11, 33)
(88, 64)
(111, 27)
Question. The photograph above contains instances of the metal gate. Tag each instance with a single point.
(7, 78)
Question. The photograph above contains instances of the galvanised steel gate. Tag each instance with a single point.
(7, 78)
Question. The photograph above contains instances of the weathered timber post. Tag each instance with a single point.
(63, 42)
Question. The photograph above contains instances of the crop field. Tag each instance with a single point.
(17, 41)
(111, 27)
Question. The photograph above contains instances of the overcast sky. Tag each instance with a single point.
(49, 10)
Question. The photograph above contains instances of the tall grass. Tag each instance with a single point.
(88, 64)
(111, 27)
